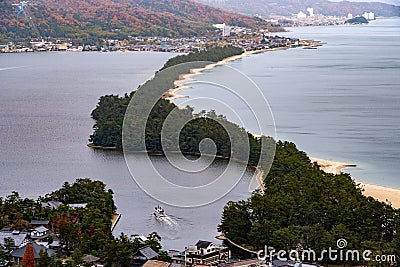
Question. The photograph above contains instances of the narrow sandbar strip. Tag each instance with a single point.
(179, 84)
(329, 166)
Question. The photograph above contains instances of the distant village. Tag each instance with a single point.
(309, 18)
(156, 44)
(246, 38)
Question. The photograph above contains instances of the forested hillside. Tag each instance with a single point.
(112, 114)
(305, 208)
(106, 18)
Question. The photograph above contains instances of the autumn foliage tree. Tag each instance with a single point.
(28, 260)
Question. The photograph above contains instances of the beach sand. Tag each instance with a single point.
(381, 193)
(179, 84)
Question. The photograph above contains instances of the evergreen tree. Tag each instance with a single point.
(44, 259)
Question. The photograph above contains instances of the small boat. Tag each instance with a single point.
(159, 213)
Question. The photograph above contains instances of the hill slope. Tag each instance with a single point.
(116, 18)
(288, 7)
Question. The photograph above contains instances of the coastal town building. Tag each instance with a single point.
(39, 232)
(13, 238)
(369, 15)
(51, 205)
(37, 223)
(77, 205)
(92, 260)
(18, 254)
(156, 263)
(144, 254)
(310, 11)
(301, 15)
(206, 253)
(242, 263)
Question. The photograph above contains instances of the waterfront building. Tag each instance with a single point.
(369, 15)
(206, 253)
(301, 15)
(143, 255)
(310, 10)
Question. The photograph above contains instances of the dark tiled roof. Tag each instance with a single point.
(19, 253)
(38, 222)
(90, 258)
(18, 238)
(203, 244)
(146, 253)
(51, 204)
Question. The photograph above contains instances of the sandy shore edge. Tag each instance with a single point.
(381, 193)
(179, 84)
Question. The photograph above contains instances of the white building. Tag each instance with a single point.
(349, 16)
(206, 253)
(369, 15)
(301, 15)
(310, 10)
(226, 29)
(39, 232)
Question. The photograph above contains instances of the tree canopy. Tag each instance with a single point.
(303, 207)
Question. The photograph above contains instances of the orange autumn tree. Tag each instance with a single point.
(28, 260)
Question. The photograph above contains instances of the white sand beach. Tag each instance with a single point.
(179, 84)
(381, 193)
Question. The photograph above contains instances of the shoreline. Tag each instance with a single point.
(378, 192)
(260, 177)
(330, 166)
(172, 94)
(114, 220)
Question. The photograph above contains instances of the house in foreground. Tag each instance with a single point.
(13, 238)
(206, 253)
(143, 255)
(18, 253)
(157, 263)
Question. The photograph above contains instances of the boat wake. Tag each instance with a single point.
(10, 68)
(161, 216)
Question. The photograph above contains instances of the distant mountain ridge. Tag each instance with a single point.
(288, 7)
(113, 18)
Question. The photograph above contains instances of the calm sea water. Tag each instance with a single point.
(339, 102)
(45, 105)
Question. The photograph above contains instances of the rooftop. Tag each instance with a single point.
(18, 237)
(155, 263)
(41, 229)
(39, 222)
(203, 244)
(145, 253)
(19, 253)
